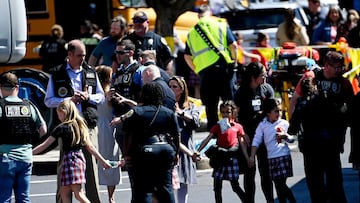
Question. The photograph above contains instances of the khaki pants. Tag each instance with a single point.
(91, 173)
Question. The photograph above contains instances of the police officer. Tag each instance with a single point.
(152, 146)
(147, 40)
(126, 80)
(52, 50)
(210, 49)
(77, 81)
(19, 119)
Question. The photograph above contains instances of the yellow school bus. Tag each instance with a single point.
(42, 14)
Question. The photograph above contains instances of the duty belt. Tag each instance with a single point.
(155, 139)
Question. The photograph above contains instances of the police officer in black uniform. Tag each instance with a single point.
(147, 40)
(126, 80)
(152, 146)
(52, 50)
(19, 122)
(79, 82)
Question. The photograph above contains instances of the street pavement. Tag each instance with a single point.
(202, 192)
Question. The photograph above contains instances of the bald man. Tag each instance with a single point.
(151, 73)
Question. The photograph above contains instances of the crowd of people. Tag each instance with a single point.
(124, 105)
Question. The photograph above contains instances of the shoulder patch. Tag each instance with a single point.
(62, 91)
(163, 40)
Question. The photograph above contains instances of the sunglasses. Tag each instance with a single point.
(138, 20)
(122, 52)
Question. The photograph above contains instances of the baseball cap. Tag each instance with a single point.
(8, 80)
(140, 15)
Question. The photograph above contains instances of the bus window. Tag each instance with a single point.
(36, 7)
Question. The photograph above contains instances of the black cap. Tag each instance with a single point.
(8, 80)
(140, 15)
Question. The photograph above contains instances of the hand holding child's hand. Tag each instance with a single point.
(106, 165)
(196, 157)
(121, 163)
(251, 162)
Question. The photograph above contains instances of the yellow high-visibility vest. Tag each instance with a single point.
(203, 56)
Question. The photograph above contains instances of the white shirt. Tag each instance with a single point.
(266, 131)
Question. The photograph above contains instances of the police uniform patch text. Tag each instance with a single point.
(17, 111)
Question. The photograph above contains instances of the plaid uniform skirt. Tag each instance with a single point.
(281, 167)
(227, 172)
(73, 168)
(194, 79)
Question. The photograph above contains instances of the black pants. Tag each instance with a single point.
(266, 182)
(283, 191)
(323, 173)
(235, 187)
(151, 174)
(216, 82)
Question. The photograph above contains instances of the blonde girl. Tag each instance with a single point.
(74, 134)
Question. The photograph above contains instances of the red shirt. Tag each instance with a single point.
(230, 137)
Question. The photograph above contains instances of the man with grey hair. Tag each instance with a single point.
(150, 74)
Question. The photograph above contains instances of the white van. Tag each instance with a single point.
(13, 30)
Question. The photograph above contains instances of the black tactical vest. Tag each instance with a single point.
(63, 88)
(123, 82)
(16, 122)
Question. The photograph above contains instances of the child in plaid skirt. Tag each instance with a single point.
(272, 131)
(228, 134)
(74, 134)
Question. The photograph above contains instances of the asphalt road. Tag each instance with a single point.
(43, 183)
